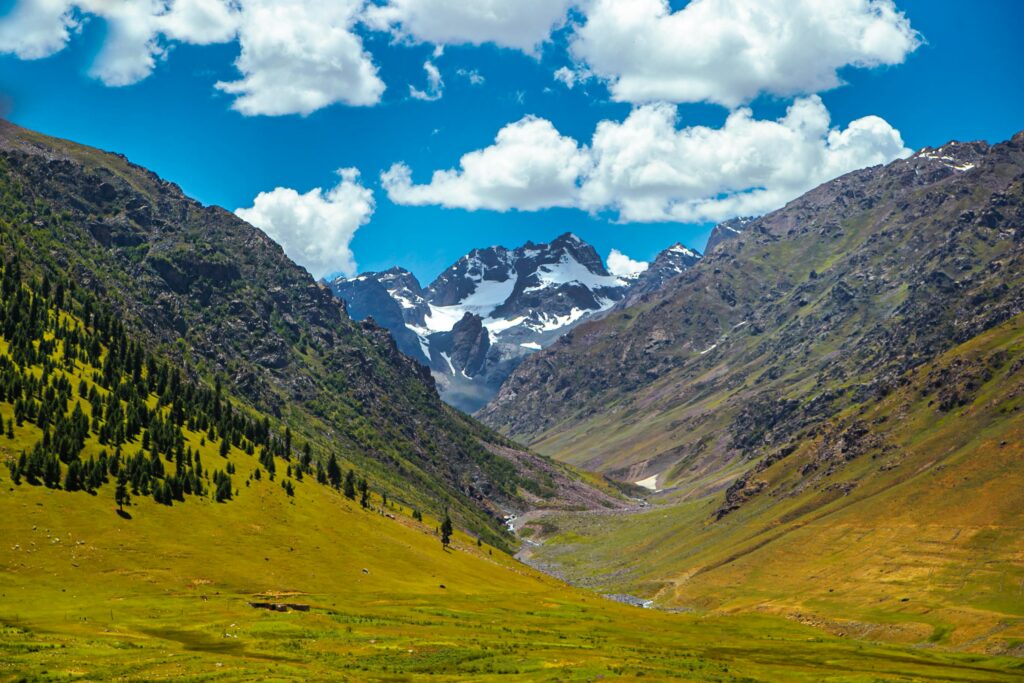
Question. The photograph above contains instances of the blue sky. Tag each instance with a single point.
(961, 82)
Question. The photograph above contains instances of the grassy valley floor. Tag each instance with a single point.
(86, 594)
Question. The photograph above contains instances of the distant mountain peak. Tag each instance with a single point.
(726, 230)
(668, 264)
(680, 248)
(494, 306)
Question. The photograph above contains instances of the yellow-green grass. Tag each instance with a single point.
(927, 548)
(164, 593)
(87, 594)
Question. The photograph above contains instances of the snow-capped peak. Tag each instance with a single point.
(492, 307)
(679, 248)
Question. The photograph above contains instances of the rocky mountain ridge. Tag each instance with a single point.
(787, 320)
(668, 264)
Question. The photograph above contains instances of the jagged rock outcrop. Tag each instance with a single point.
(726, 230)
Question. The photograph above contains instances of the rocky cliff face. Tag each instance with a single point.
(796, 315)
(493, 307)
(388, 298)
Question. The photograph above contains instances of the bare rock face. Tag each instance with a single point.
(470, 343)
(726, 230)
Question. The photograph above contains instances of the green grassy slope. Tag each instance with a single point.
(901, 518)
(88, 595)
(221, 301)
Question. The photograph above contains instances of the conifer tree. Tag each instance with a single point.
(334, 472)
(121, 496)
(350, 485)
(364, 493)
(446, 530)
(73, 478)
(223, 490)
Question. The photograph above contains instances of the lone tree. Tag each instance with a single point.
(446, 530)
(334, 472)
(121, 496)
(350, 485)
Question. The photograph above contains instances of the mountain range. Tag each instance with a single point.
(494, 307)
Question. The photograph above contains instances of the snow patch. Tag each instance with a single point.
(498, 325)
(546, 323)
(569, 270)
(448, 361)
(533, 346)
(488, 295)
(946, 160)
(396, 294)
(650, 483)
(680, 249)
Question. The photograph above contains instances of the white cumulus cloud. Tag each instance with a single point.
(530, 166)
(138, 31)
(571, 77)
(647, 169)
(37, 29)
(622, 266)
(518, 24)
(315, 229)
(299, 56)
(201, 22)
(730, 51)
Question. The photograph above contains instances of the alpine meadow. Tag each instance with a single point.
(547, 340)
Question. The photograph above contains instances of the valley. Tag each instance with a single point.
(802, 450)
